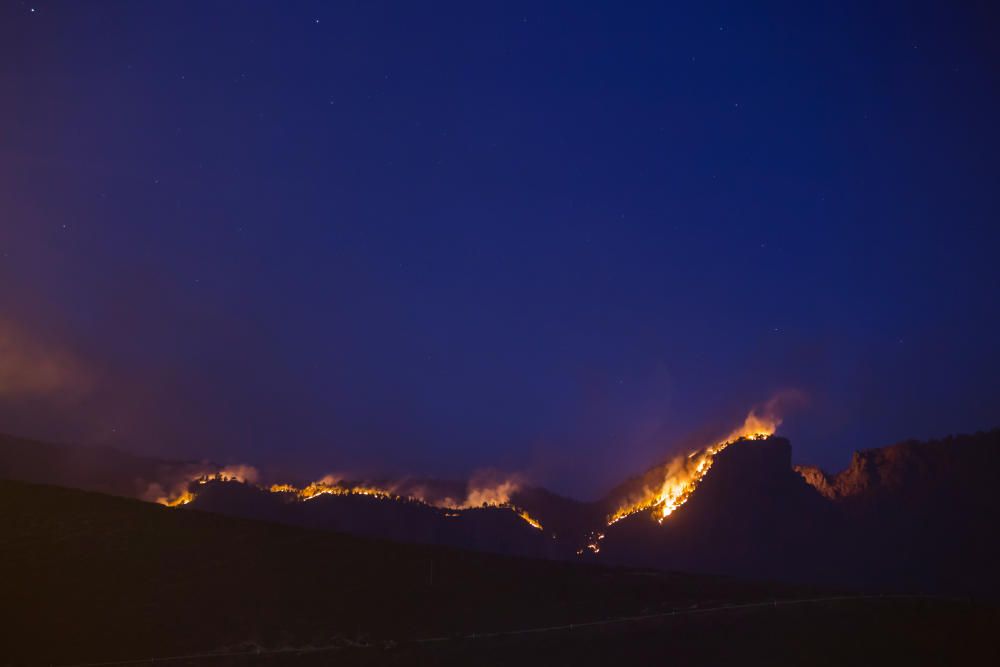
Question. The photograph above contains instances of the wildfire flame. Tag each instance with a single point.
(484, 492)
(333, 486)
(183, 499)
(479, 495)
(683, 473)
(527, 517)
(680, 477)
(181, 493)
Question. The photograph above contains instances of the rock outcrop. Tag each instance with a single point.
(957, 464)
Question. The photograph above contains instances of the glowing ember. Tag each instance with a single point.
(683, 474)
(594, 545)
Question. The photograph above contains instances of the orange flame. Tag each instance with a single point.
(483, 493)
(183, 499)
(685, 472)
(527, 517)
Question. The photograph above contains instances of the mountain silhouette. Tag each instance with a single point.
(96, 578)
(911, 517)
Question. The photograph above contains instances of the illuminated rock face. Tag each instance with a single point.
(818, 479)
(953, 467)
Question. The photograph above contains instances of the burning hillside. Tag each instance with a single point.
(478, 495)
(184, 491)
(662, 490)
(667, 487)
(746, 511)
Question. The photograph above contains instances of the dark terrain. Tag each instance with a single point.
(92, 577)
(916, 517)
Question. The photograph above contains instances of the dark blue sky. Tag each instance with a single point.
(557, 238)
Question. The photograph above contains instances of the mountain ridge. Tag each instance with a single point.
(887, 521)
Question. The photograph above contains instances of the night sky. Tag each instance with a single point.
(561, 239)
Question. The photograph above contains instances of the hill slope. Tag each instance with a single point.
(102, 578)
(117, 578)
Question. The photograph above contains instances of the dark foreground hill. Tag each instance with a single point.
(89, 577)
